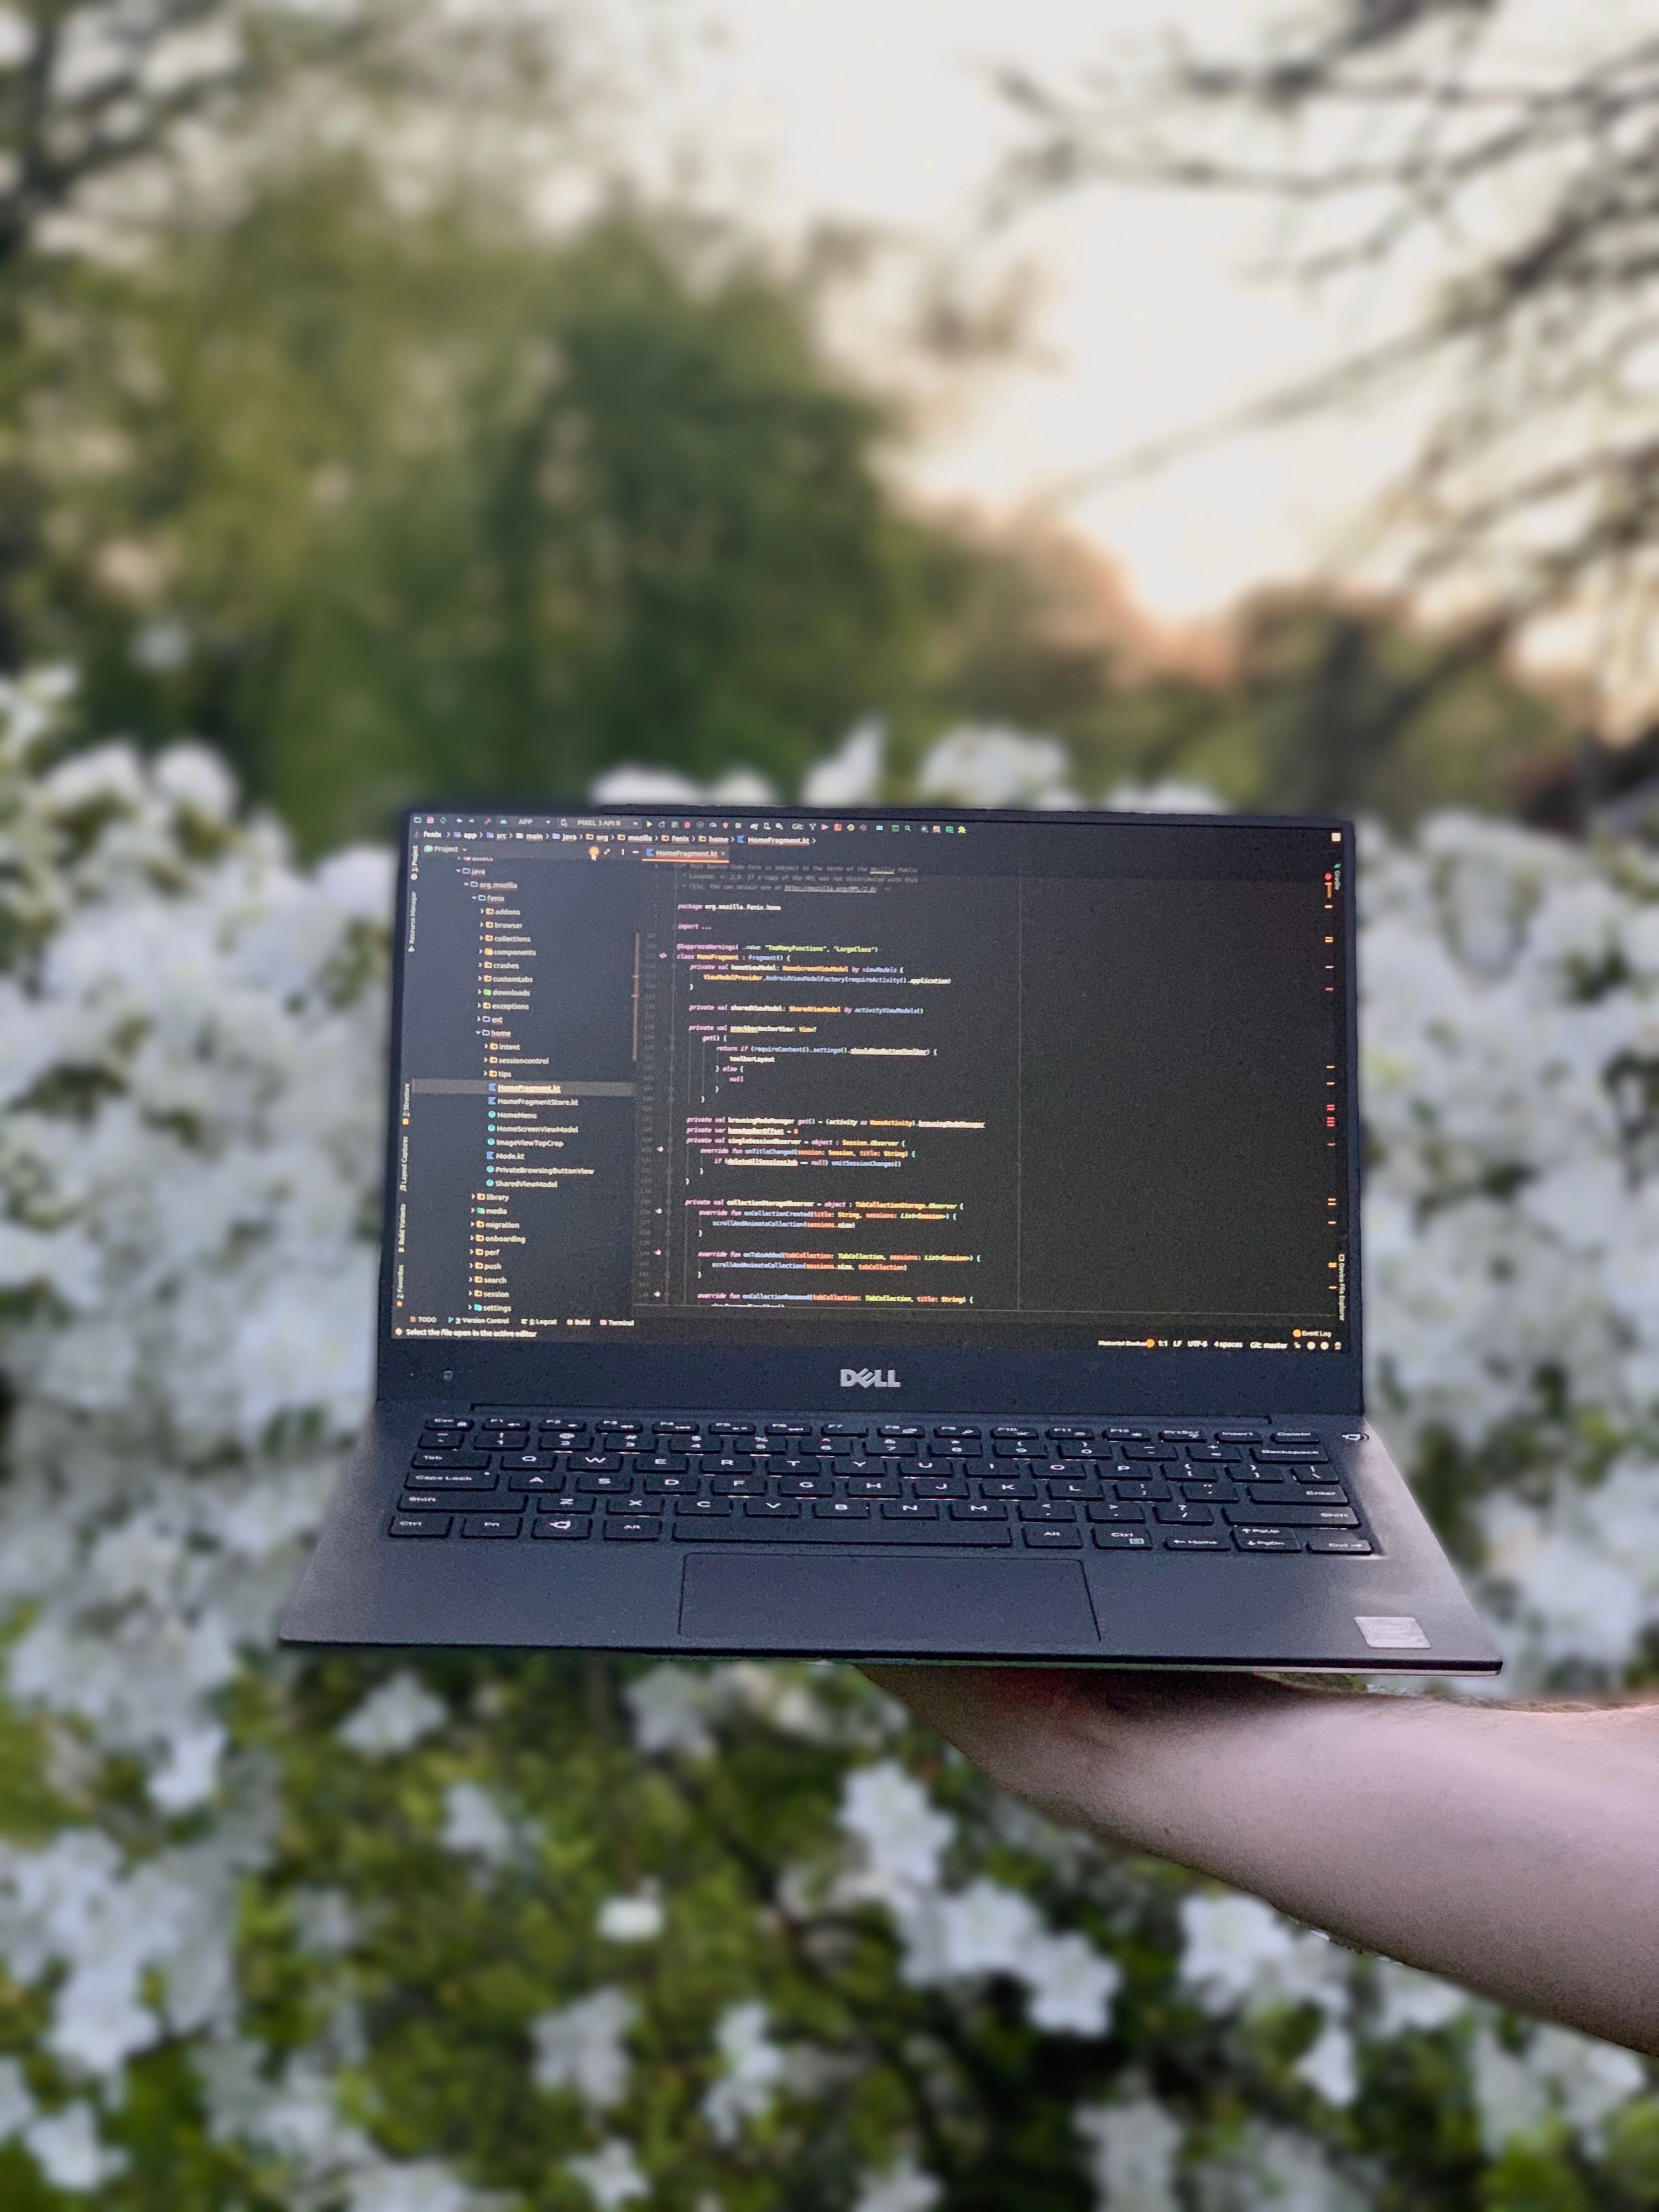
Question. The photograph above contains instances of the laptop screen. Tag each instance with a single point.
(739, 1079)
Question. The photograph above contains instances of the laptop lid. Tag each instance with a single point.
(874, 1108)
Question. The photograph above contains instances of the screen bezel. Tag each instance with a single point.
(783, 1378)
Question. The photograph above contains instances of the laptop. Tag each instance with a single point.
(911, 1232)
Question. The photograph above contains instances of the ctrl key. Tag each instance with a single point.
(419, 1524)
(561, 1528)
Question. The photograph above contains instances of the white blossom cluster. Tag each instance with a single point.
(191, 1042)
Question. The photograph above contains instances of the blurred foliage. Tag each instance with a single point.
(396, 493)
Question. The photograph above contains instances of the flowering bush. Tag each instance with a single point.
(375, 1935)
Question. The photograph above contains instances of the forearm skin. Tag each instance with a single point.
(1514, 1850)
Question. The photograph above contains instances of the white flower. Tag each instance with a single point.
(1231, 1944)
(419, 2185)
(852, 777)
(637, 1919)
(66, 2147)
(610, 2175)
(672, 1708)
(16, 2106)
(1512, 2101)
(1328, 2066)
(581, 2048)
(393, 1718)
(754, 2067)
(903, 2187)
(192, 1773)
(985, 1928)
(1590, 2080)
(991, 766)
(1408, 2000)
(475, 1826)
(1271, 2170)
(1132, 2150)
(1070, 1985)
(891, 1815)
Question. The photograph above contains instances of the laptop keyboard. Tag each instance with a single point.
(542, 1477)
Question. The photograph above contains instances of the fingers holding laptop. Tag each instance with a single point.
(1507, 1848)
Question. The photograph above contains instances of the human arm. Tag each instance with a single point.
(1513, 1848)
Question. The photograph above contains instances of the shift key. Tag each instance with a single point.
(1290, 1516)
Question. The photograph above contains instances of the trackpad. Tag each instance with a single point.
(796, 1603)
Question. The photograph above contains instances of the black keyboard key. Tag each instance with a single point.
(447, 1421)
(593, 1463)
(788, 1428)
(528, 1462)
(1211, 1493)
(1145, 1492)
(1123, 1539)
(978, 1509)
(468, 1475)
(792, 1464)
(739, 1485)
(805, 1486)
(1211, 1455)
(1179, 1514)
(772, 1509)
(1110, 1511)
(1266, 1540)
(726, 1463)
(441, 1440)
(550, 1494)
(669, 1485)
(1012, 1449)
(1046, 1509)
(1128, 1436)
(472, 1462)
(1288, 1455)
(605, 1486)
(843, 1429)
(1239, 1436)
(1053, 1537)
(659, 1463)
(561, 1528)
(1005, 1486)
(1277, 1493)
(1196, 1543)
(934, 1486)
(1322, 1493)
(634, 1528)
(1184, 1436)
(1352, 1547)
(1072, 1486)
(1296, 1435)
(1015, 1429)
(841, 1509)
(911, 1509)
(901, 1429)
(729, 1428)
(418, 1499)
(862, 1463)
(1290, 1516)
(418, 1524)
(634, 1504)
(619, 1428)
(501, 1526)
(1149, 1451)
(705, 1509)
(979, 1534)
(872, 1486)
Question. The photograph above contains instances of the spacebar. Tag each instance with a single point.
(978, 1532)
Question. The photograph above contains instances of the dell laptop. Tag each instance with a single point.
(912, 1233)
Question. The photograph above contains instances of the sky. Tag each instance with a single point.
(1152, 313)
(1155, 314)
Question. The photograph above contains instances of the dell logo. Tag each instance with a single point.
(869, 1378)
